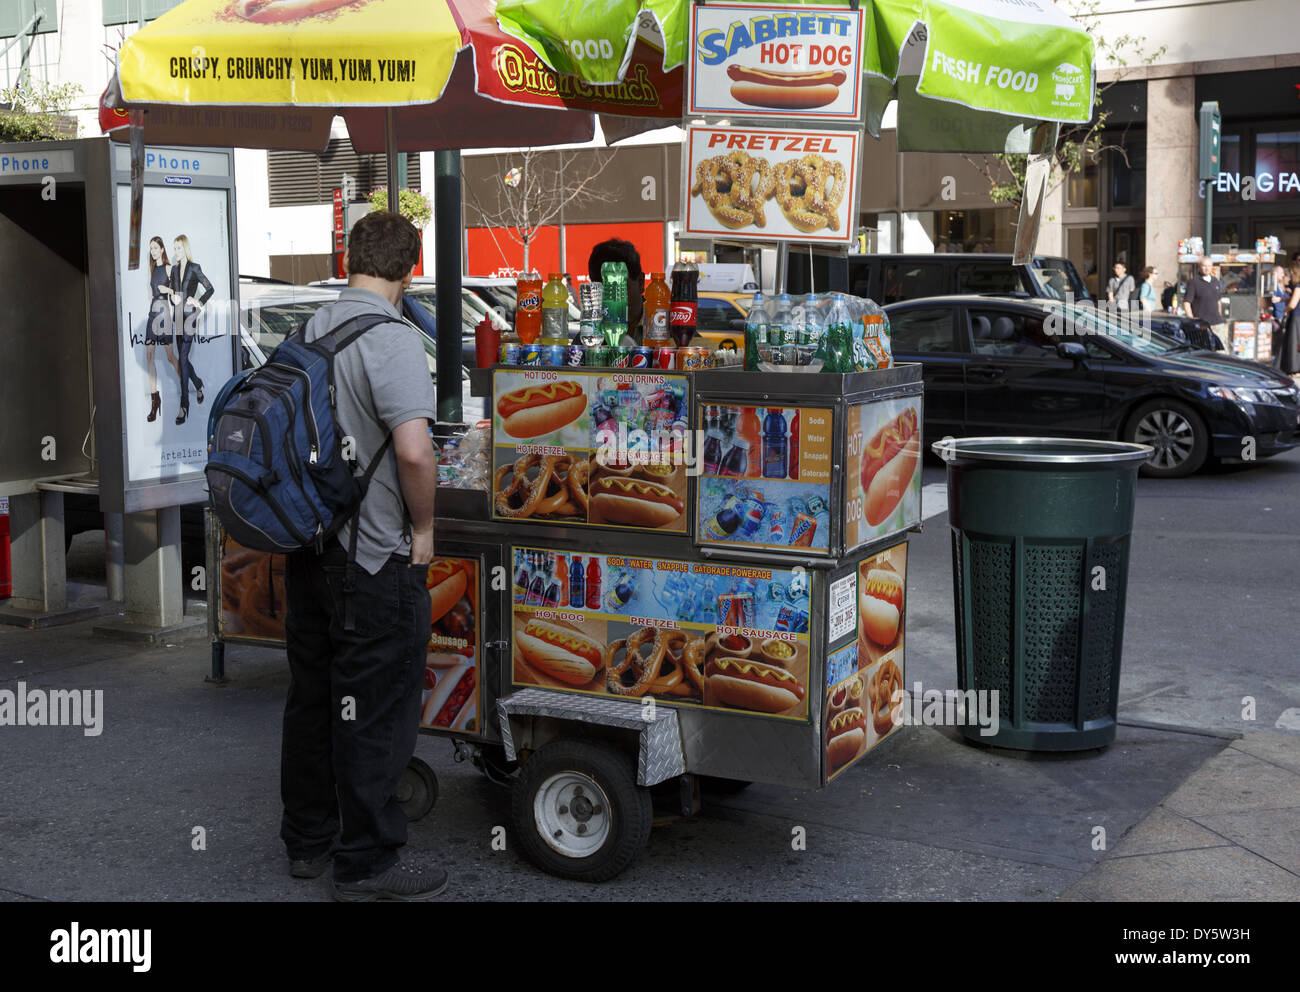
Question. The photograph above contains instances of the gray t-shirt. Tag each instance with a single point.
(382, 380)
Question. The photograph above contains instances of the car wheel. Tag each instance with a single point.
(1176, 433)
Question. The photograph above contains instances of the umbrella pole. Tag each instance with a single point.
(390, 154)
(446, 246)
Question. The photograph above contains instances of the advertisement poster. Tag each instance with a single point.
(862, 678)
(766, 61)
(882, 476)
(689, 633)
(451, 675)
(590, 447)
(770, 185)
(766, 479)
(175, 323)
(253, 608)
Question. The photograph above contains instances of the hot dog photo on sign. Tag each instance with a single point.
(451, 676)
(883, 477)
(754, 61)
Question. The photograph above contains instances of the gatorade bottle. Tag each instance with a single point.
(756, 333)
(577, 589)
(794, 445)
(555, 311)
(658, 306)
(562, 577)
(528, 312)
(776, 454)
(751, 432)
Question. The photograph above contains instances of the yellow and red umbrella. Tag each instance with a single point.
(273, 73)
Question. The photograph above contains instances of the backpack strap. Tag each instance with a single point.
(350, 573)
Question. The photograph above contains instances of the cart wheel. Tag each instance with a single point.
(417, 789)
(578, 812)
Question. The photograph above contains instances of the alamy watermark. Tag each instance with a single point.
(23, 707)
(946, 708)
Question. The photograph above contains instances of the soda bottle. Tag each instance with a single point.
(658, 305)
(537, 588)
(752, 432)
(613, 279)
(555, 310)
(712, 452)
(528, 311)
(562, 578)
(685, 303)
(756, 333)
(776, 453)
(523, 576)
(753, 518)
(794, 445)
(725, 522)
(592, 578)
(736, 461)
(836, 349)
(577, 592)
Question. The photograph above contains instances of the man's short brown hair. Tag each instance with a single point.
(384, 245)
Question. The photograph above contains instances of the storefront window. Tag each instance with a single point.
(1277, 165)
(1081, 188)
(973, 231)
(1128, 179)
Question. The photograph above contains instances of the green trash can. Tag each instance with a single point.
(1040, 546)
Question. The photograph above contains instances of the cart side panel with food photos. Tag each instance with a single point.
(246, 605)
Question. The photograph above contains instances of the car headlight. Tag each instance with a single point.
(1259, 397)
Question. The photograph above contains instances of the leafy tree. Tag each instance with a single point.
(38, 112)
(1078, 145)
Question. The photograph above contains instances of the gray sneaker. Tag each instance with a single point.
(406, 881)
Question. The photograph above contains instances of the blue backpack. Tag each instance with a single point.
(277, 478)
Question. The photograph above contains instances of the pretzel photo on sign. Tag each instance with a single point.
(735, 186)
(809, 192)
(885, 685)
(557, 488)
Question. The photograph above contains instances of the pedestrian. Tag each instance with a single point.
(1289, 354)
(353, 709)
(1120, 287)
(617, 250)
(1147, 290)
(1203, 300)
(1281, 293)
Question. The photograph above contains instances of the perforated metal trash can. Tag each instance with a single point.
(1040, 547)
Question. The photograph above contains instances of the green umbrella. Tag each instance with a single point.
(969, 75)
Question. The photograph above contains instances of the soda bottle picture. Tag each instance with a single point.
(577, 590)
(794, 445)
(735, 462)
(727, 520)
(658, 307)
(776, 454)
(528, 312)
(685, 303)
(592, 579)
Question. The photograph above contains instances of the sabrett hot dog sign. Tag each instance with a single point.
(766, 61)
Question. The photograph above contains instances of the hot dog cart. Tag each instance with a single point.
(754, 635)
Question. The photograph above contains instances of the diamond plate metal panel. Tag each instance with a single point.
(659, 752)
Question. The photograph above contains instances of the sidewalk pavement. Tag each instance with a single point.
(1185, 815)
(1231, 831)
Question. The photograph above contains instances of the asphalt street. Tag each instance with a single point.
(1212, 589)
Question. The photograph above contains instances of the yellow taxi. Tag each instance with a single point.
(721, 319)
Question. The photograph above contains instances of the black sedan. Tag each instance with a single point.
(1041, 368)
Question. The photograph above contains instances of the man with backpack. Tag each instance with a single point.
(358, 630)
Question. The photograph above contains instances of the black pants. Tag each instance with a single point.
(187, 369)
(353, 711)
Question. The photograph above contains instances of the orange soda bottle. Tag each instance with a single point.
(528, 312)
(749, 428)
